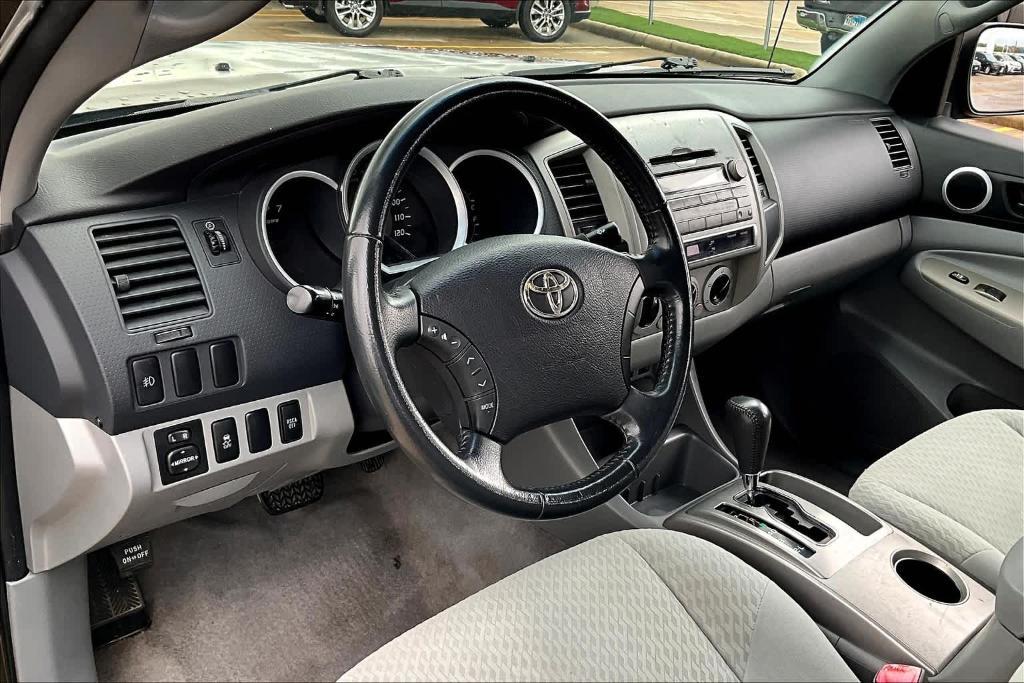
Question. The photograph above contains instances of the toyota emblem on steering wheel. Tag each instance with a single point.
(550, 293)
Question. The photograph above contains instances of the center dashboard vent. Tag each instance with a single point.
(152, 273)
(894, 144)
(748, 149)
(576, 183)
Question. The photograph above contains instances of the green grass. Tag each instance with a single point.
(714, 41)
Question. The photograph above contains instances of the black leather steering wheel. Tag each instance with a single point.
(546, 322)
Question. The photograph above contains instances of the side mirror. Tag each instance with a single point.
(997, 71)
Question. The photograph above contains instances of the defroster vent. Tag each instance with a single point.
(576, 183)
(894, 144)
(152, 273)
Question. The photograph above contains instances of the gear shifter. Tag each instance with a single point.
(750, 422)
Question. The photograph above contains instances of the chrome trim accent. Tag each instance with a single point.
(516, 164)
(461, 213)
(264, 238)
(974, 170)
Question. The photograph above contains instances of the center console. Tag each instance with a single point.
(883, 596)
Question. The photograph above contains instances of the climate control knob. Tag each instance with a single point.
(735, 170)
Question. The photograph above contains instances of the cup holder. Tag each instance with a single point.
(929, 576)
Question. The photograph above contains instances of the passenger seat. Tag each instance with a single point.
(958, 488)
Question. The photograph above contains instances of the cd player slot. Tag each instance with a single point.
(729, 242)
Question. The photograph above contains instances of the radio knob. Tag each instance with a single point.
(735, 171)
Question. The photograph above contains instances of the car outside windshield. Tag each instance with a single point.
(296, 40)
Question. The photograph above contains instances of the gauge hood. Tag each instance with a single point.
(222, 67)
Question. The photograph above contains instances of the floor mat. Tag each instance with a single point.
(239, 594)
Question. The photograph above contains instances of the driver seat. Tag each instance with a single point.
(632, 605)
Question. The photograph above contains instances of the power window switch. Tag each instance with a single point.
(959, 277)
(990, 292)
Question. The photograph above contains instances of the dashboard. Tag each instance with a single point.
(150, 280)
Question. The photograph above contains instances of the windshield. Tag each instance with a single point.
(296, 40)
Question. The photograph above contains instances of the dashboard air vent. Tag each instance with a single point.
(152, 273)
(894, 145)
(572, 174)
(748, 149)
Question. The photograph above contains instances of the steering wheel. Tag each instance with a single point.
(534, 328)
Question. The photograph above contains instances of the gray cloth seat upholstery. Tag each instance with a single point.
(633, 605)
(958, 489)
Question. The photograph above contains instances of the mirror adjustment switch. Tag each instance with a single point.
(225, 439)
(443, 340)
(257, 430)
(482, 411)
(185, 370)
(149, 385)
(289, 418)
(179, 436)
(959, 277)
(183, 460)
(178, 456)
(471, 373)
(224, 361)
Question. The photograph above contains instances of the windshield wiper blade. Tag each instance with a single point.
(682, 67)
(91, 120)
(667, 63)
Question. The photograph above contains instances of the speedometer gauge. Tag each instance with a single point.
(427, 216)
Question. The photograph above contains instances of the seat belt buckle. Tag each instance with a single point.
(899, 673)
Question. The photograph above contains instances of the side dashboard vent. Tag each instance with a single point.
(748, 149)
(894, 145)
(576, 183)
(152, 273)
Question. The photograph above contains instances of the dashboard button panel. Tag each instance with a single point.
(224, 362)
(225, 439)
(149, 384)
(183, 456)
(185, 371)
(257, 430)
(289, 418)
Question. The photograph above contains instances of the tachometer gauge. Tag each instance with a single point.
(300, 228)
(427, 215)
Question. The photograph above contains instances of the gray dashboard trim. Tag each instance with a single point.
(153, 163)
(82, 488)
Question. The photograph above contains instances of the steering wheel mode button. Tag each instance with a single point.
(471, 373)
(482, 411)
(443, 340)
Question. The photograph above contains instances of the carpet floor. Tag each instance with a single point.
(239, 594)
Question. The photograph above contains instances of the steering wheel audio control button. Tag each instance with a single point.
(443, 340)
(471, 373)
(482, 411)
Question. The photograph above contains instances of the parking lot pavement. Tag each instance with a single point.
(997, 127)
(276, 23)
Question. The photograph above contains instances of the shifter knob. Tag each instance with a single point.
(750, 422)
